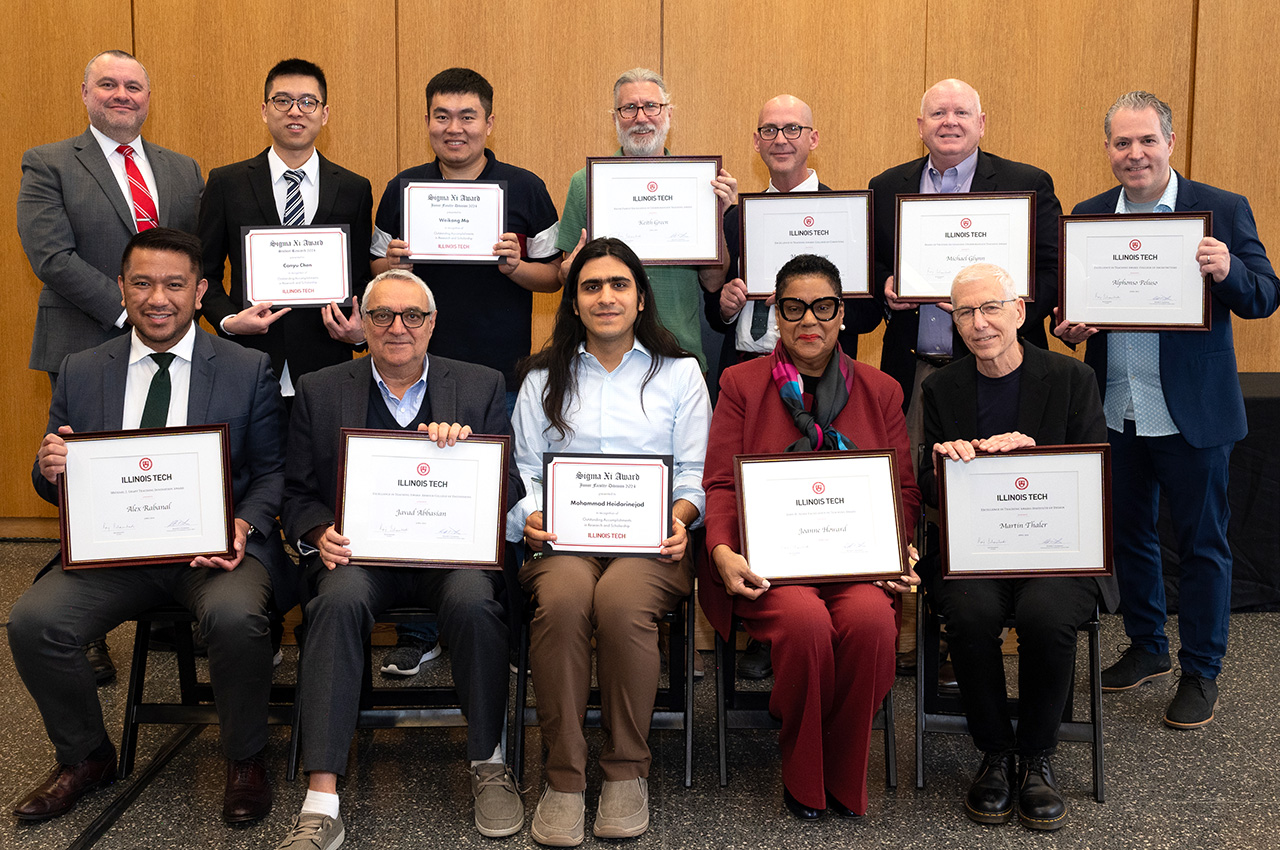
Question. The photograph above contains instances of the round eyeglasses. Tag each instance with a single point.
(306, 104)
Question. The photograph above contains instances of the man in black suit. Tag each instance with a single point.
(165, 372)
(397, 387)
(259, 191)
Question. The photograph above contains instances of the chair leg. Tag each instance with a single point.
(185, 653)
(723, 658)
(295, 725)
(522, 698)
(922, 655)
(137, 679)
(890, 744)
(689, 652)
(1095, 707)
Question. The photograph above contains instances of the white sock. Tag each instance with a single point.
(321, 803)
(496, 758)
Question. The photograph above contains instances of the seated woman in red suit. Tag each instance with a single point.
(833, 643)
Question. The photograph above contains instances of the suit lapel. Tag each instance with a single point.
(114, 374)
(965, 394)
(1033, 393)
(984, 174)
(442, 392)
(159, 162)
(355, 397)
(89, 152)
(202, 378)
(328, 191)
(260, 183)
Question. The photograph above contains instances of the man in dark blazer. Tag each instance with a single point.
(397, 387)
(1174, 412)
(166, 372)
(256, 192)
(76, 212)
(1008, 395)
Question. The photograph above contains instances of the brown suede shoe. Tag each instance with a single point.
(64, 786)
(248, 794)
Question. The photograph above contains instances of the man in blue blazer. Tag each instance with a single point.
(1174, 412)
(122, 384)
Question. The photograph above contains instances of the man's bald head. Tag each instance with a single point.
(787, 159)
(951, 122)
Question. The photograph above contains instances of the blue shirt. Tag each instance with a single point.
(403, 409)
(935, 333)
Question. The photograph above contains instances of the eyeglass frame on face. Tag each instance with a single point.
(636, 108)
(768, 132)
(278, 99)
(809, 307)
(964, 315)
(401, 314)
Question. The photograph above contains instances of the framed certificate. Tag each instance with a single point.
(405, 502)
(808, 517)
(607, 505)
(663, 207)
(147, 496)
(297, 266)
(1043, 511)
(454, 221)
(938, 235)
(1134, 272)
(776, 226)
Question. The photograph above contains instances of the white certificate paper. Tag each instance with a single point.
(157, 496)
(454, 221)
(663, 207)
(609, 505)
(777, 226)
(938, 235)
(404, 501)
(297, 266)
(821, 516)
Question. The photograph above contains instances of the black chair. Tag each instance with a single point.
(940, 712)
(737, 709)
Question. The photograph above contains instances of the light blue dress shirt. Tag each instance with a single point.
(934, 335)
(403, 409)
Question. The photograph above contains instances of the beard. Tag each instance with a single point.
(643, 139)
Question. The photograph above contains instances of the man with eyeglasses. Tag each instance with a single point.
(642, 118)
(398, 387)
(1004, 396)
(293, 184)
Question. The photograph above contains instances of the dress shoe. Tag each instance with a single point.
(990, 797)
(1194, 703)
(905, 663)
(1040, 806)
(65, 785)
(104, 670)
(797, 808)
(839, 809)
(756, 661)
(947, 682)
(248, 794)
(1136, 667)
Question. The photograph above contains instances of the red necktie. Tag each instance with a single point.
(144, 206)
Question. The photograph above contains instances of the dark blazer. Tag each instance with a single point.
(1058, 404)
(228, 384)
(993, 174)
(240, 195)
(74, 223)
(1198, 370)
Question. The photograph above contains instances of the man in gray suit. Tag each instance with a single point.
(166, 372)
(398, 387)
(82, 198)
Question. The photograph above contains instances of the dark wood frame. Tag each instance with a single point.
(743, 242)
(452, 186)
(605, 552)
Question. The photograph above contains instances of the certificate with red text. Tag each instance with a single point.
(606, 505)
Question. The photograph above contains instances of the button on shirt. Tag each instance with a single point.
(935, 334)
(142, 367)
(610, 414)
(405, 409)
(1134, 390)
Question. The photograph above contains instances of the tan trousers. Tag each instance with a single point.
(618, 601)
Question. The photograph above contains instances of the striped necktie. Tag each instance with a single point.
(144, 206)
(294, 214)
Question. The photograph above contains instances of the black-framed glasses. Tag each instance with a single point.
(384, 318)
(964, 315)
(789, 131)
(306, 103)
(653, 110)
(824, 309)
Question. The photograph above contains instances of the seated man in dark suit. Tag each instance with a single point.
(397, 387)
(165, 372)
(1004, 396)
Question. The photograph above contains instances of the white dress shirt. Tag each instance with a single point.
(137, 380)
(308, 186)
(115, 160)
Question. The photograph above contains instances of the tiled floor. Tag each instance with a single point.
(1216, 787)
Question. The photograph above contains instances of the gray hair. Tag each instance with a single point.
(398, 274)
(641, 75)
(118, 54)
(1138, 101)
(984, 271)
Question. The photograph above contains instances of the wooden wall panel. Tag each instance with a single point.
(48, 57)
(1236, 70)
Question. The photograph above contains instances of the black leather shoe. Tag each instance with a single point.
(947, 682)
(104, 670)
(797, 808)
(64, 786)
(248, 794)
(990, 797)
(1040, 806)
(756, 661)
(840, 809)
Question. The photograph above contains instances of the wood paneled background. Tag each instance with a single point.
(1047, 71)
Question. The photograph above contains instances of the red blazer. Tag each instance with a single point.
(750, 418)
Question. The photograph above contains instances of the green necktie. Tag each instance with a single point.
(155, 413)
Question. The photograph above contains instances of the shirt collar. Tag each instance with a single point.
(183, 350)
(635, 346)
(109, 145)
(1168, 200)
(311, 168)
(809, 184)
(964, 170)
(382, 385)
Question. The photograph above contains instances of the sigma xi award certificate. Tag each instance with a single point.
(297, 266)
(606, 505)
(454, 221)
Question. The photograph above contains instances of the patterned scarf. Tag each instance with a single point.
(834, 387)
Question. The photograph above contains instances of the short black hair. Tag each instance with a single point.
(163, 239)
(461, 81)
(807, 264)
(295, 68)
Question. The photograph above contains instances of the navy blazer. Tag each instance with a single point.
(1197, 369)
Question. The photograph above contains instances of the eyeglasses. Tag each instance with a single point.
(653, 110)
(384, 318)
(964, 315)
(824, 309)
(790, 131)
(306, 104)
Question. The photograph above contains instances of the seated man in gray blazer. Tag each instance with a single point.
(397, 387)
(166, 372)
